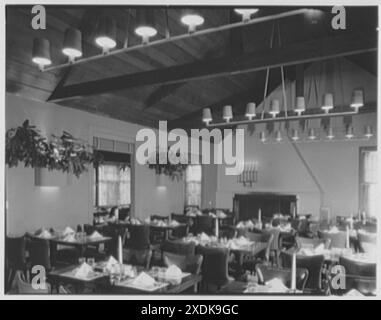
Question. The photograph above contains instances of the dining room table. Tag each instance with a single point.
(101, 281)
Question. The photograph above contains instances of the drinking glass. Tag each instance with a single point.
(91, 262)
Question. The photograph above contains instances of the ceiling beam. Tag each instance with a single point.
(314, 50)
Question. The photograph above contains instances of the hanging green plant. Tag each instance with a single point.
(174, 171)
(25, 144)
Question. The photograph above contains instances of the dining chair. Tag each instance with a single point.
(359, 268)
(187, 263)
(204, 223)
(180, 232)
(266, 273)
(139, 257)
(39, 253)
(336, 240)
(214, 268)
(139, 237)
(314, 265)
(15, 253)
(250, 261)
(275, 245)
(303, 242)
(358, 275)
(178, 247)
(24, 287)
(88, 228)
(367, 242)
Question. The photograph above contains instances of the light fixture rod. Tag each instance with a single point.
(181, 37)
(288, 118)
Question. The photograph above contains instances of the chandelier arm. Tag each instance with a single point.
(267, 74)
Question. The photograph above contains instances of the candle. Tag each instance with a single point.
(217, 228)
(116, 214)
(259, 215)
(347, 238)
(120, 250)
(293, 272)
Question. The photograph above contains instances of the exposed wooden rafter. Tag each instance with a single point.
(314, 50)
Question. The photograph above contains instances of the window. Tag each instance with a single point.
(113, 180)
(193, 185)
(368, 181)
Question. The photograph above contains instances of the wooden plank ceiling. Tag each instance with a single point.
(181, 99)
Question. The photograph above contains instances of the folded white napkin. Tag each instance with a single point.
(143, 279)
(96, 235)
(204, 237)
(45, 234)
(67, 231)
(220, 214)
(147, 220)
(334, 229)
(173, 272)
(276, 285)
(354, 293)
(211, 214)
(250, 224)
(70, 238)
(83, 271)
(174, 223)
(319, 248)
(198, 213)
(111, 262)
(240, 224)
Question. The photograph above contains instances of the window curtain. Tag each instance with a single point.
(368, 183)
(193, 175)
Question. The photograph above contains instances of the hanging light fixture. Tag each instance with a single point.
(330, 134)
(300, 106)
(327, 102)
(274, 108)
(72, 45)
(262, 136)
(278, 136)
(227, 113)
(349, 132)
(250, 110)
(145, 27)
(295, 135)
(106, 34)
(41, 52)
(311, 134)
(368, 132)
(207, 115)
(192, 19)
(357, 99)
(246, 13)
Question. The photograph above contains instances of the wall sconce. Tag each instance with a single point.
(249, 175)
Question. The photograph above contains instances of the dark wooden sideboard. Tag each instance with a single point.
(245, 206)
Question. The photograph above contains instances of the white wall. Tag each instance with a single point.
(30, 207)
(335, 165)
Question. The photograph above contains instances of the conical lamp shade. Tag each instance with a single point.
(250, 110)
(357, 98)
(274, 108)
(145, 24)
(106, 33)
(227, 113)
(72, 46)
(327, 102)
(207, 115)
(192, 19)
(300, 105)
(368, 132)
(41, 52)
